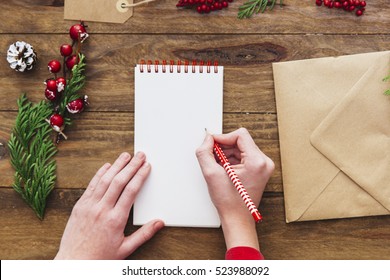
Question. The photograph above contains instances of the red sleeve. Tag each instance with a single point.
(243, 253)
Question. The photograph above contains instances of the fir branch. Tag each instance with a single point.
(75, 83)
(256, 6)
(31, 151)
(387, 92)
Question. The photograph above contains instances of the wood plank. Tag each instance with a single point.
(358, 238)
(248, 80)
(96, 138)
(296, 16)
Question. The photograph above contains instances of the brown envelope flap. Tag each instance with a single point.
(355, 135)
(302, 101)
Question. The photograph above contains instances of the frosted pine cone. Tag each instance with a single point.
(21, 56)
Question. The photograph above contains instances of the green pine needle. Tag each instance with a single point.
(387, 92)
(256, 6)
(31, 151)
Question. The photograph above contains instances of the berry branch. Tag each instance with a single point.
(346, 5)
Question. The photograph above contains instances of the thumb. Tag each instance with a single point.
(143, 234)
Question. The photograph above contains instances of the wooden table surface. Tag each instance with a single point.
(298, 30)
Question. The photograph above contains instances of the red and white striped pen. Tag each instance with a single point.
(237, 183)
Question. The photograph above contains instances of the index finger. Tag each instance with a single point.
(240, 138)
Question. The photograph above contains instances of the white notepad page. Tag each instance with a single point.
(172, 111)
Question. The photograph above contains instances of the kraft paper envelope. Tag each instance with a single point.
(334, 131)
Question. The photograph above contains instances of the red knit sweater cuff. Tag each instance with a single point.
(243, 253)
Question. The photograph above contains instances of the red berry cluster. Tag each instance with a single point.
(55, 87)
(204, 6)
(348, 5)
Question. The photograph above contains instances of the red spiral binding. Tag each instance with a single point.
(164, 66)
(178, 66)
(201, 64)
(186, 63)
(171, 63)
(194, 65)
(149, 66)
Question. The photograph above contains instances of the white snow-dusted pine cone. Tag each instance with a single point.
(21, 56)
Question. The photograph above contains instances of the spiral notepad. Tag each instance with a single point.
(174, 103)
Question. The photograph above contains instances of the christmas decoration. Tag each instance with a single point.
(78, 32)
(204, 6)
(71, 61)
(66, 50)
(21, 56)
(31, 150)
(347, 5)
(75, 106)
(31, 147)
(256, 6)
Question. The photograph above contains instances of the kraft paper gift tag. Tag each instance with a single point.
(328, 120)
(98, 10)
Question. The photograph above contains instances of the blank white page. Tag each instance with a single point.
(172, 111)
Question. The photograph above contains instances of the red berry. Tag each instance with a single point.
(51, 84)
(66, 50)
(60, 83)
(54, 66)
(351, 8)
(345, 4)
(225, 4)
(71, 61)
(363, 4)
(330, 6)
(77, 29)
(199, 9)
(75, 106)
(51, 94)
(359, 13)
(56, 121)
(337, 5)
(318, 2)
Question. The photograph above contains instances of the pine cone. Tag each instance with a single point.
(21, 56)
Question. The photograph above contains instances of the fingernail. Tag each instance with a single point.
(140, 155)
(125, 156)
(158, 225)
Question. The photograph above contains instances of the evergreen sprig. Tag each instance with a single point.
(31, 151)
(75, 83)
(387, 92)
(256, 6)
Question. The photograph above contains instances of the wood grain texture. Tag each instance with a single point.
(360, 238)
(96, 138)
(248, 80)
(162, 16)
